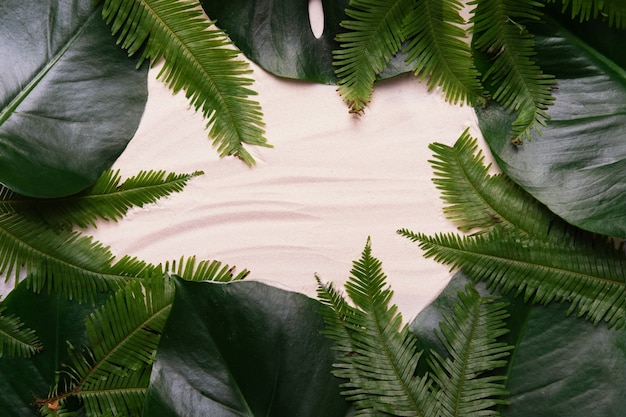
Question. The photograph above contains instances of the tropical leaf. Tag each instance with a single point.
(243, 349)
(438, 49)
(576, 168)
(106, 200)
(70, 100)
(375, 34)
(477, 201)
(112, 375)
(466, 382)
(613, 11)
(559, 366)
(205, 270)
(522, 246)
(199, 60)
(15, 340)
(379, 354)
(517, 83)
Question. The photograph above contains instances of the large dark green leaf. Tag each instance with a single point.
(70, 98)
(243, 349)
(577, 167)
(560, 366)
(55, 319)
(277, 35)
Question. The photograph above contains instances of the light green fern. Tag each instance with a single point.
(199, 59)
(523, 247)
(378, 355)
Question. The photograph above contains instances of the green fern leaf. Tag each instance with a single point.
(438, 49)
(589, 274)
(190, 270)
(379, 356)
(199, 60)
(15, 340)
(475, 200)
(113, 375)
(465, 381)
(106, 200)
(374, 35)
(614, 11)
(519, 83)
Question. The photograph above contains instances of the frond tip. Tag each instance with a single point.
(15, 340)
(465, 381)
(379, 354)
(198, 59)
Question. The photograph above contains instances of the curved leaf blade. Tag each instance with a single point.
(70, 100)
(576, 168)
(559, 365)
(199, 60)
(243, 349)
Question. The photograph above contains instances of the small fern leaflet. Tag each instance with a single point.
(15, 340)
(199, 60)
(614, 11)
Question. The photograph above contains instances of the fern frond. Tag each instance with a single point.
(15, 340)
(465, 381)
(519, 83)
(106, 200)
(63, 261)
(113, 375)
(374, 35)
(377, 348)
(589, 274)
(614, 11)
(475, 200)
(190, 270)
(199, 60)
(438, 49)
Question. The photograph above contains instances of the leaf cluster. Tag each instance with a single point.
(378, 356)
(434, 39)
(518, 245)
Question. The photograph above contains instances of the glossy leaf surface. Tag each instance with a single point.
(70, 98)
(277, 35)
(243, 349)
(560, 366)
(55, 319)
(577, 166)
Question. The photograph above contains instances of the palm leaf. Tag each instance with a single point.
(199, 60)
(519, 83)
(106, 200)
(614, 11)
(438, 49)
(380, 357)
(475, 200)
(15, 340)
(589, 274)
(374, 35)
(466, 382)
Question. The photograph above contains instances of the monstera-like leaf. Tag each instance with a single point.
(243, 349)
(70, 98)
(277, 35)
(577, 166)
(559, 366)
